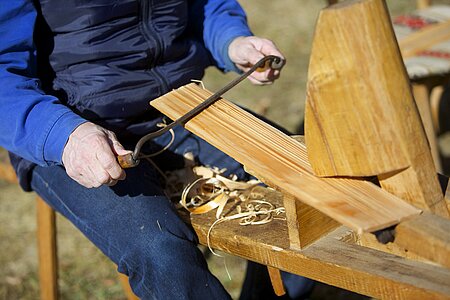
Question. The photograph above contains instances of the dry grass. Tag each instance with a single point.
(84, 272)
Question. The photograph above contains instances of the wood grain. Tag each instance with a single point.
(283, 161)
(422, 97)
(305, 224)
(421, 4)
(277, 281)
(329, 260)
(427, 236)
(360, 117)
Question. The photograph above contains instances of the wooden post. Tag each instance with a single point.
(421, 4)
(126, 287)
(305, 224)
(360, 115)
(48, 260)
(422, 96)
(277, 281)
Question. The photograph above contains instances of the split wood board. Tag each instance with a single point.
(360, 114)
(330, 260)
(283, 161)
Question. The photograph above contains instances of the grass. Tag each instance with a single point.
(84, 272)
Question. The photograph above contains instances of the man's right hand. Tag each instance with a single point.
(90, 156)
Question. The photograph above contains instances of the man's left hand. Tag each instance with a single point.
(247, 51)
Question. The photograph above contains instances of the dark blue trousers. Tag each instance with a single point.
(137, 227)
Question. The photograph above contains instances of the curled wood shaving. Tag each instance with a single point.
(212, 190)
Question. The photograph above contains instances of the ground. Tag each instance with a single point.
(84, 272)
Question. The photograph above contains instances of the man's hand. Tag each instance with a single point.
(90, 156)
(247, 51)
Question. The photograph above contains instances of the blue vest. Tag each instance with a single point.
(106, 59)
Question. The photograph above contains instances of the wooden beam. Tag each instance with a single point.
(422, 97)
(330, 260)
(428, 236)
(282, 161)
(424, 39)
(48, 258)
(421, 4)
(360, 115)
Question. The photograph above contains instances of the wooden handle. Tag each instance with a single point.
(277, 281)
(127, 161)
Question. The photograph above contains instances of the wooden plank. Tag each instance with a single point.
(422, 97)
(369, 240)
(283, 161)
(424, 39)
(428, 236)
(360, 115)
(305, 224)
(329, 260)
(48, 259)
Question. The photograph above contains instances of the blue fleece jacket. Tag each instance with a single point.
(35, 125)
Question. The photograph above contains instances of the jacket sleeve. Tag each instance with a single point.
(33, 125)
(219, 22)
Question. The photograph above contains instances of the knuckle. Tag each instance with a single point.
(103, 178)
(96, 184)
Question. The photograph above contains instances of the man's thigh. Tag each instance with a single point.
(113, 217)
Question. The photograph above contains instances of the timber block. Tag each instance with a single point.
(333, 259)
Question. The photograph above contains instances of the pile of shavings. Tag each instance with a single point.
(211, 190)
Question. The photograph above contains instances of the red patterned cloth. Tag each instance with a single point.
(433, 61)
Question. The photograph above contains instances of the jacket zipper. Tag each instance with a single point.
(151, 36)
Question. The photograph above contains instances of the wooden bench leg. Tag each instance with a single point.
(277, 281)
(422, 97)
(126, 287)
(48, 260)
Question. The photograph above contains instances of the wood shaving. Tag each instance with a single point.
(212, 191)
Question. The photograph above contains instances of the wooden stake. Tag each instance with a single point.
(361, 118)
(421, 4)
(48, 259)
(305, 224)
(277, 281)
(422, 97)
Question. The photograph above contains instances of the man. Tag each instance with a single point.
(75, 74)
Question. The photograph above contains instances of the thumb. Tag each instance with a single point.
(253, 55)
(116, 146)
